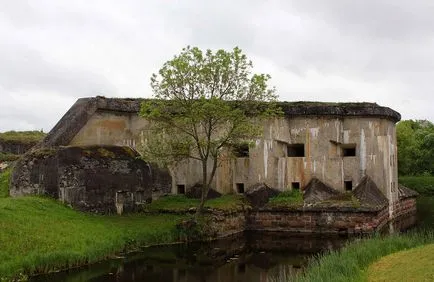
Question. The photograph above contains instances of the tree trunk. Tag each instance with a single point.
(205, 188)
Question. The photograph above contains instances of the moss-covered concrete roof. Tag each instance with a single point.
(77, 116)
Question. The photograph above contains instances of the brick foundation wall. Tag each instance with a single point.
(351, 221)
(317, 221)
(228, 223)
(404, 207)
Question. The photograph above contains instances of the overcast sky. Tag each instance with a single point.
(54, 52)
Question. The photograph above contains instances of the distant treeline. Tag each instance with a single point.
(415, 147)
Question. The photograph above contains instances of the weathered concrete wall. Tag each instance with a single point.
(323, 137)
(16, 148)
(323, 130)
(104, 179)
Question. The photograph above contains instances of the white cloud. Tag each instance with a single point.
(53, 52)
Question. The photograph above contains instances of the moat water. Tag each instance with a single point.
(250, 256)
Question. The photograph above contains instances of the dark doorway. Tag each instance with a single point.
(180, 188)
(240, 188)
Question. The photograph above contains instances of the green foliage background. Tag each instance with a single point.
(415, 147)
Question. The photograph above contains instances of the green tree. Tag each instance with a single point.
(204, 103)
(415, 147)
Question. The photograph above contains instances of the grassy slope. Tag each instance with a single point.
(4, 182)
(351, 262)
(39, 235)
(411, 265)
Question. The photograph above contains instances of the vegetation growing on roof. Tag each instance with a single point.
(292, 198)
(22, 136)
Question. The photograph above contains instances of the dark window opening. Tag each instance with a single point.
(182, 273)
(295, 185)
(349, 151)
(295, 150)
(348, 185)
(242, 268)
(241, 150)
(181, 188)
(240, 188)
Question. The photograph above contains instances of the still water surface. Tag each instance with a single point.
(251, 256)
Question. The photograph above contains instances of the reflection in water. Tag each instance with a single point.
(252, 256)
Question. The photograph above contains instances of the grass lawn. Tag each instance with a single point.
(4, 182)
(39, 235)
(180, 203)
(411, 265)
(351, 262)
(291, 198)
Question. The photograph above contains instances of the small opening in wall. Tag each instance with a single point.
(348, 185)
(182, 273)
(295, 150)
(240, 188)
(349, 150)
(242, 268)
(241, 150)
(180, 188)
(295, 185)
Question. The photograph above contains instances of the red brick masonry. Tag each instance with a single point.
(310, 220)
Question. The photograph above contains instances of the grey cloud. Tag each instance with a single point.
(385, 19)
(379, 50)
(24, 69)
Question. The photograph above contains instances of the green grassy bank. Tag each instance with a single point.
(351, 262)
(4, 182)
(355, 261)
(39, 235)
(411, 265)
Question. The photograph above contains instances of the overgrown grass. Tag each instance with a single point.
(410, 265)
(424, 185)
(4, 182)
(7, 157)
(351, 262)
(287, 198)
(39, 235)
(22, 136)
(180, 203)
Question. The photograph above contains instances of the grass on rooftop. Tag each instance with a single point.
(292, 198)
(22, 136)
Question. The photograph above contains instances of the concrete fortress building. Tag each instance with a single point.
(340, 145)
